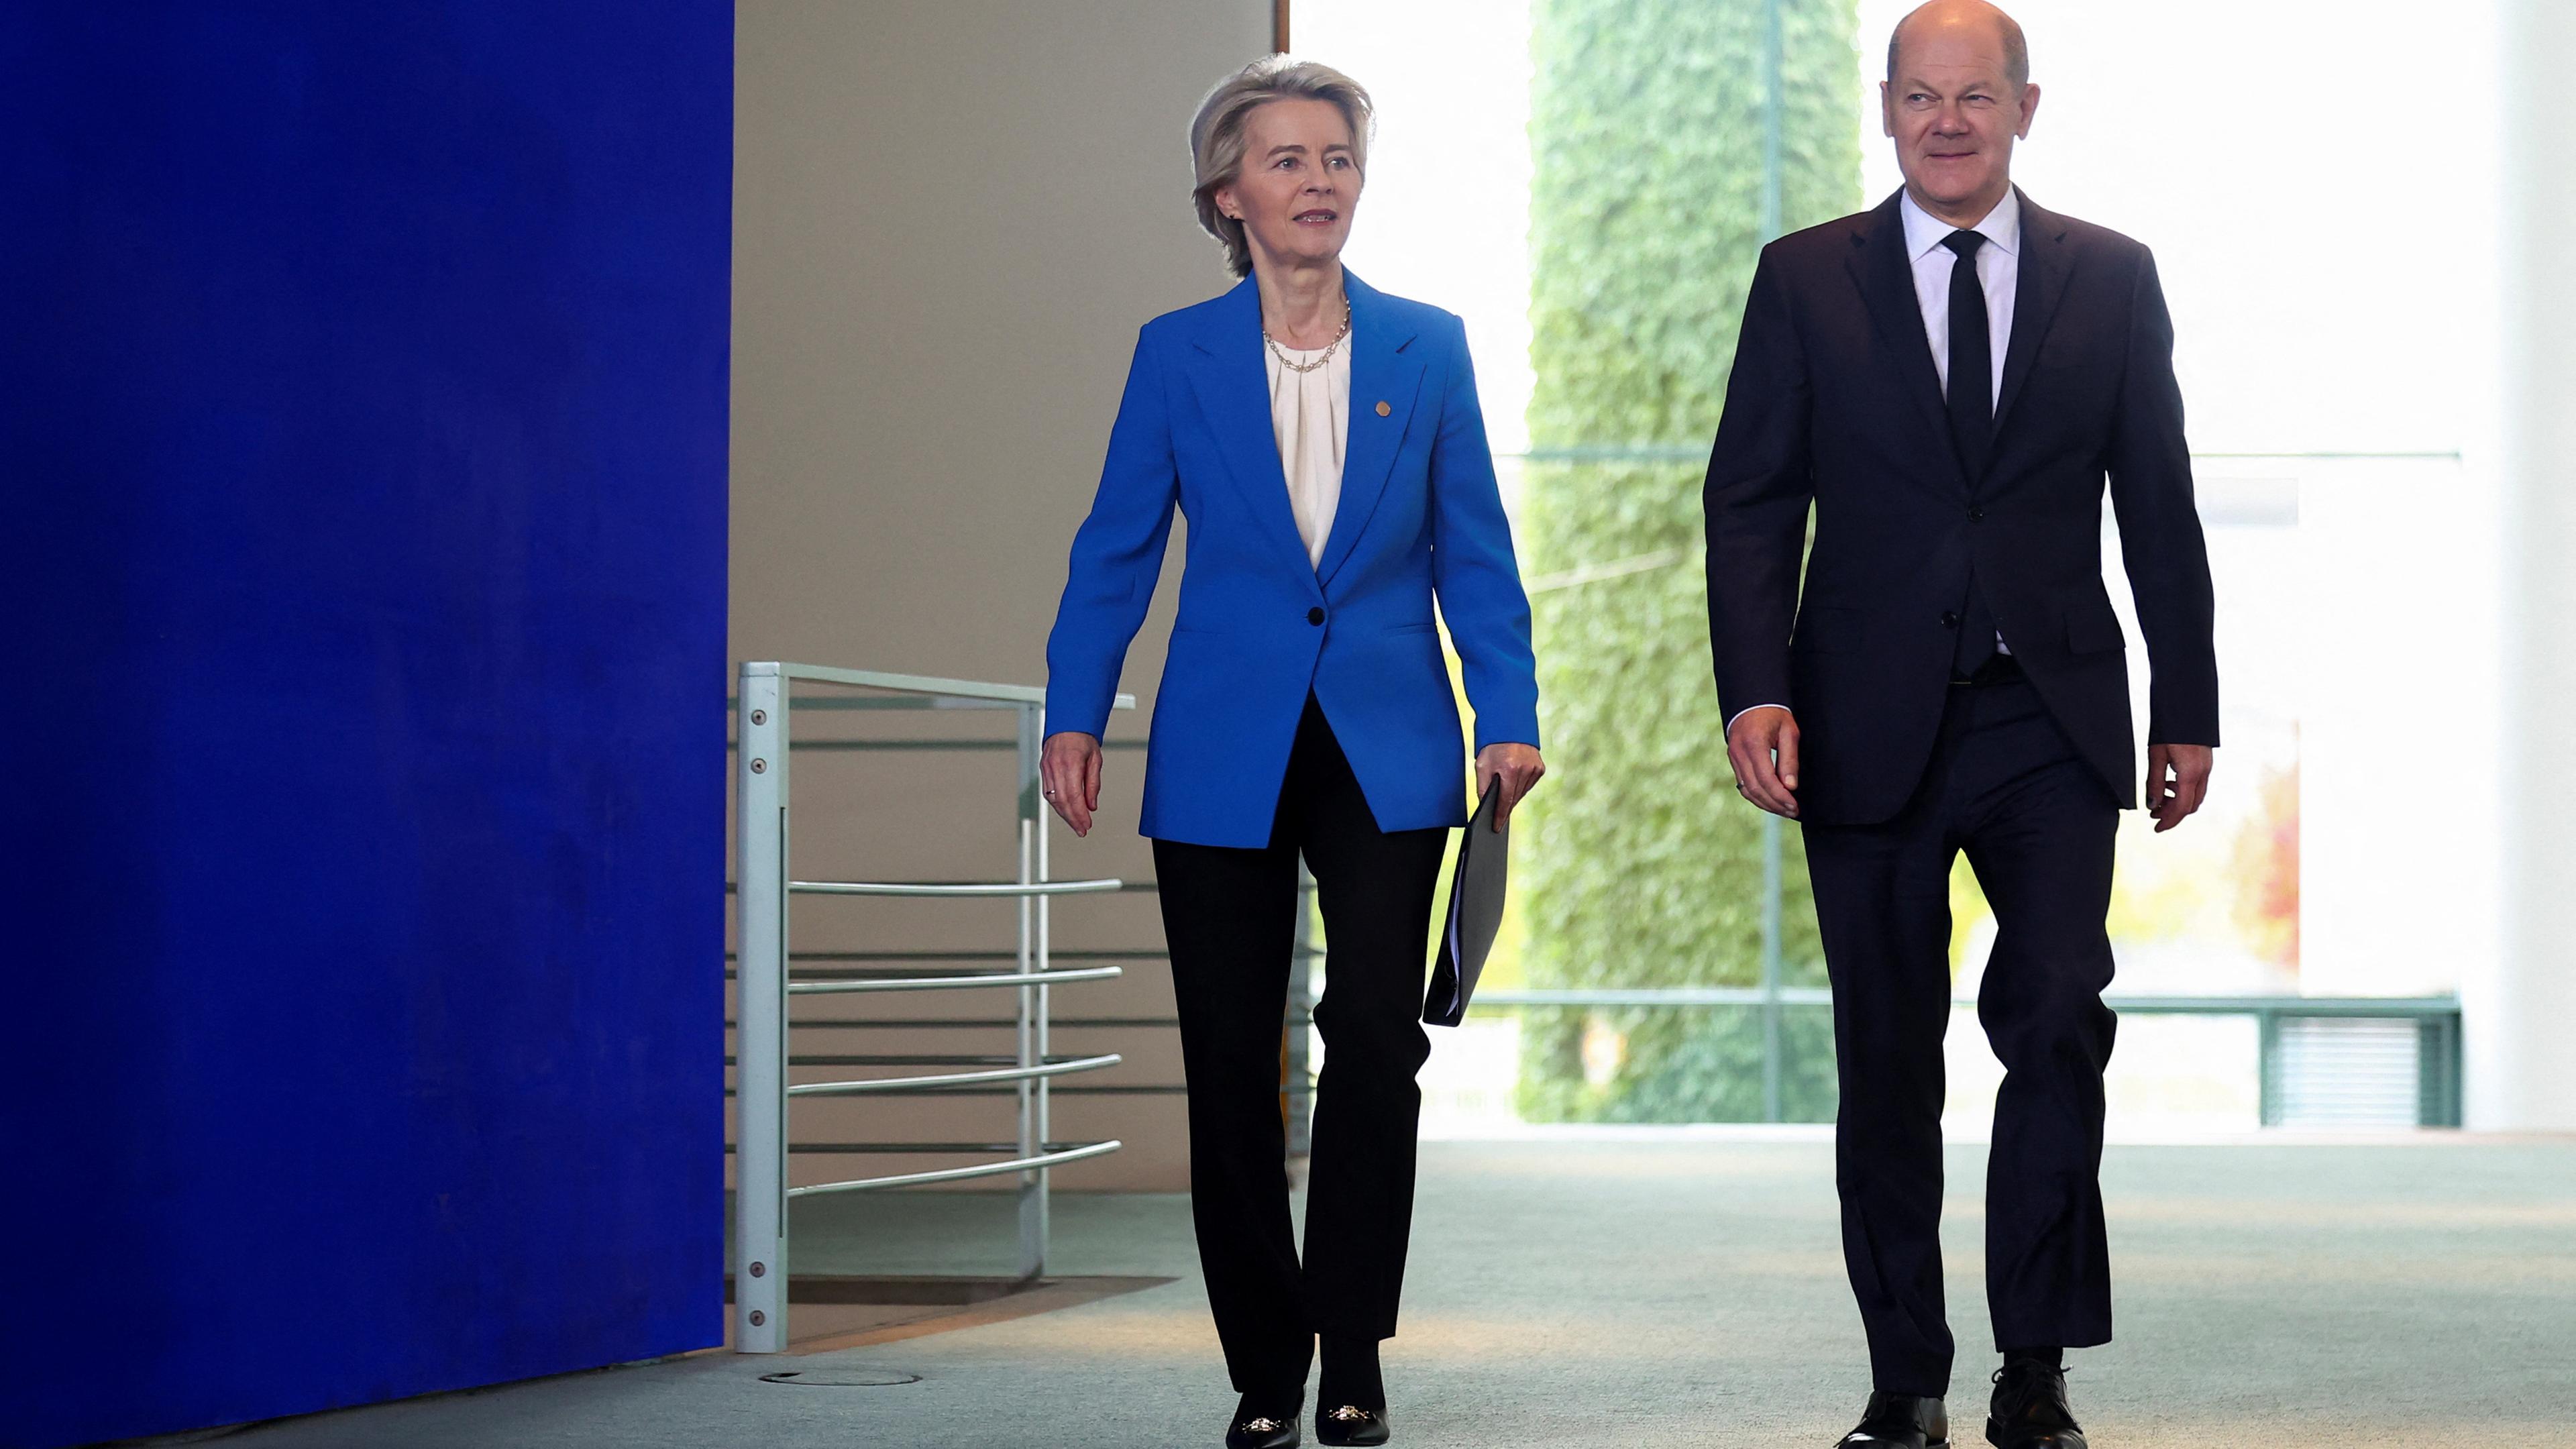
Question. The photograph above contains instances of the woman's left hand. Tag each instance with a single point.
(1520, 768)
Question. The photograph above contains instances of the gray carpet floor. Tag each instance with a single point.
(1684, 1293)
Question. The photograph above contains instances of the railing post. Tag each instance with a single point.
(1033, 1185)
(1773, 1107)
(2267, 1067)
(1045, 1130)
(2437, 1070)
(760, 1014)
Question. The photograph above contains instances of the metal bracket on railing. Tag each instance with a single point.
(763, 889)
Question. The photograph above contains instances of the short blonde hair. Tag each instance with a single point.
(1216, 134)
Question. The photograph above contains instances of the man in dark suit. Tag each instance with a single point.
(1948, 380)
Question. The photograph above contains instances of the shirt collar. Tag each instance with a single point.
(1924, 231)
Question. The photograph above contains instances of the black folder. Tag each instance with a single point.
(1475, 912)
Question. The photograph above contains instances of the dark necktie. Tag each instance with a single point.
(1972, 358)
(1972, 422)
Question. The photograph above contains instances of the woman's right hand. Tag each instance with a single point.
(1069, 774)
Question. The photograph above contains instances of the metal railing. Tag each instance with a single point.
(2436, 1020)
(764, 987)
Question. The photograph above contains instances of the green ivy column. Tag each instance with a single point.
(1650, 122)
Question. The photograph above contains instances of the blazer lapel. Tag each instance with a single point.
(1886, 277)
(2039, 283)
(1233, 388)
(1384, 375)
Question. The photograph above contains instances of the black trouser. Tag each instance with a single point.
(2006, 786)
(1229, 916)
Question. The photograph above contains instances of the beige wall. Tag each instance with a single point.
(950, 217)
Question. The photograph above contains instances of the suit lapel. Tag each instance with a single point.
(2039, 283)
(1384, 373)
(1233, 389)
(1886, 278)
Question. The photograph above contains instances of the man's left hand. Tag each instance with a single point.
(2177, 781)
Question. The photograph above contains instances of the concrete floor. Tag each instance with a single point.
(1685, 1292)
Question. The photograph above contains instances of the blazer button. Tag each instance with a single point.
(1314, 616)
(1976, 515)
(1949, 619)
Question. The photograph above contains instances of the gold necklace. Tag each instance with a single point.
(1292, 364)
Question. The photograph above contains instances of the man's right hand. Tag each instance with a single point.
(1069, 774)
(1762, 745)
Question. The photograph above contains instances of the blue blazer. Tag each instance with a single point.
(1260, 626)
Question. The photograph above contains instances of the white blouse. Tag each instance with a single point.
(1310, 415)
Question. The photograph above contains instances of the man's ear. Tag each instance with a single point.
(1887, 114)
(2029, 108)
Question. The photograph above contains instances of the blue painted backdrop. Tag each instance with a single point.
(362, 568)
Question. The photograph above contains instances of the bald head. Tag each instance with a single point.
(1976, 17)
(1958, 96)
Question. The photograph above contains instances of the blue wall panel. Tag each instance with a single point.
(362, 568)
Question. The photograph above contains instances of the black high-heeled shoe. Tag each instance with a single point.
(1351, 1424)
(1255, 1428)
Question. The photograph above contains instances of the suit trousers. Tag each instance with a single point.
(2007, 786)
(1229, 917)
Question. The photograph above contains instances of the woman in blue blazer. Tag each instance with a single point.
(1323, 439)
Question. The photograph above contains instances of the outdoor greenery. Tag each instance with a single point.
(1648, 126)
(2266, 867)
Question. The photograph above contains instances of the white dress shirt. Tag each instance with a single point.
(1998, 271)
(1310, 415)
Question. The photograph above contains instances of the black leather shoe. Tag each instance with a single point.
(1262, 1431)
(1900, 1421)
(1351, 1424)
(2030, 1408)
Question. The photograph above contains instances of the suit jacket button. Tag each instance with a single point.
(1314, 616)
(1949, 619)
(1976, 515)
(1383, 410)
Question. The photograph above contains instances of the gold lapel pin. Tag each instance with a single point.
(1383, 410)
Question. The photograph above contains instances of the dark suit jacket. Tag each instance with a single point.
(1834, 401)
